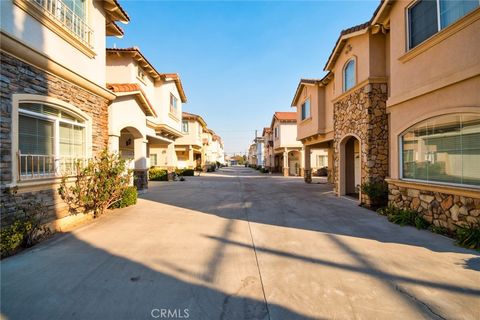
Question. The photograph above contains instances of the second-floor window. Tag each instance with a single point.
(185, 126)
(276, 132)
(349, 75)
(173, 104)
(427, 17)
(306, 109)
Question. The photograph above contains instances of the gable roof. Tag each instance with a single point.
(284, 117)
(134, 89)
(341, 41)
(303, 82)
(135, 53)
(196, 117)
(266, 130)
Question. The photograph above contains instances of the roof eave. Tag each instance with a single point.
(339, 46)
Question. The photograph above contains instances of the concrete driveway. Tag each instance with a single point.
(239, 245)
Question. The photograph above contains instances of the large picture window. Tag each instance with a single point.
(443, 149)
(427, 17)
(50, 141)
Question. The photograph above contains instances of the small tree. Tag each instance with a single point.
(98, 185)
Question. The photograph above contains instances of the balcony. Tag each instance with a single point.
(58, 17)
(36, 166)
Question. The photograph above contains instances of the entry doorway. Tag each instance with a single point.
(351, 167)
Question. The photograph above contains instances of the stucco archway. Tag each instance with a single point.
(350, 166)
(132, 146)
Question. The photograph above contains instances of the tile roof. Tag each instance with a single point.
(153, 72)
(324, 81)
(192, 116)
(286, 116)
(133, 87)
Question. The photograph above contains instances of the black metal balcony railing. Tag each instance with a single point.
(58, 11)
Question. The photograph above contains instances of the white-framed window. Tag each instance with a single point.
(443, 149)
(153, 159)
(349, 78)
(276, 132)
(49, 137)
(427, 17)
(322, 161)
(184, 126)
(173, 104)
(306, 109)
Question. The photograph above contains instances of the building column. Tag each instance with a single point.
(140, 173)
(113, 144)
(307, 166)
(330, 172)
(191, 160)
(171, 156)
(285, 163)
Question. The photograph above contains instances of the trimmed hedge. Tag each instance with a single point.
(156, 174)
(185, 172)
(129, 198)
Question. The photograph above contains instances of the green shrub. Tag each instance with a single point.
(185, 172)
(469, 236)
(26, 228)
(129, 198)
(404, 217)
(99, 184)
(439, 230)
(377, 192)
(156, 174)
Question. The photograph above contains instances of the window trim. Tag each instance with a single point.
(439, 24)
(354, 59)
(309, 110)
(188, 126)
(18, 99)
(400, 154)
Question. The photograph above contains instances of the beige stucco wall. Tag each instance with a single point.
(287, 135)
(433, 82)
(193, 136)
(369, 52)
(19, 24)
(163, 89)
(439, 62)
(309, 126)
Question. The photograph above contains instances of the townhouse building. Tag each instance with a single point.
(189, 148)
(400, 103)
(287, 151)
(145, 118)
(54, 102)
(433, 107)
(268, 154)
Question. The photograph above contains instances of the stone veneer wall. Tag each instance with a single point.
(17, 76)
(442, 209)
(363, 113)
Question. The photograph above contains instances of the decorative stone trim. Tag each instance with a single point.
(18, 77)
(443, 209)
(362, 113)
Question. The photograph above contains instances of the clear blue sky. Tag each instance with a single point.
(239, 61)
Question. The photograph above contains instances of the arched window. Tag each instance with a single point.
(51, 140)
(443, 149)
(349, 75)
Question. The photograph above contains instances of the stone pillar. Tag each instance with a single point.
(113, 143)
(306, 164)
(330, 171)
(285, 163)
(140, 173)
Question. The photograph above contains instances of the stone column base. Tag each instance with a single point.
(307, 174)
(140, 179)
(286, 172)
